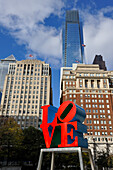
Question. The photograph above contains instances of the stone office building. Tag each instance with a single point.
(91, 88)
(27, 87)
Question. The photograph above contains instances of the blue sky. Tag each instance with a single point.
(34, 27)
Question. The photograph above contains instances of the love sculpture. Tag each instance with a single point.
(63, 127)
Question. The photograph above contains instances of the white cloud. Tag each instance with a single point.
(98, 35)
(25, 21)
(43, 40)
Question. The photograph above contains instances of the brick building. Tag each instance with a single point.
(91, 88)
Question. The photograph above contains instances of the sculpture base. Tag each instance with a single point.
(65, 150)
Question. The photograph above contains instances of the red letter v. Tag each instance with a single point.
(45, 126)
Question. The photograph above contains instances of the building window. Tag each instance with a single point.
(74, 100)
(81, 105)
(100, 116)
(90, 116)
(104, 122)
(108, 111)
(98, 127)
(95, 133)
(99, 101)
(94, 121)
(81, 95)
(86, 105)
(85, 74)
(109, 122)
(93, 105)
(107, 101)
(105, 127)
(98, 83)
(98, 133)
(109, 117)
(101, 121)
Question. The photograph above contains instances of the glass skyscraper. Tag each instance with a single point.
(72, 39)
(4, 65)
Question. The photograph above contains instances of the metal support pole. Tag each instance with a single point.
(80, 159)
(52, 161)
(40, 160)
(91, 160)
(107, 146)
(94, 148)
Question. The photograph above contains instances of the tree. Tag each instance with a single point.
(110, 161)
(32, 143)
(104, 160)
(11, 137)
